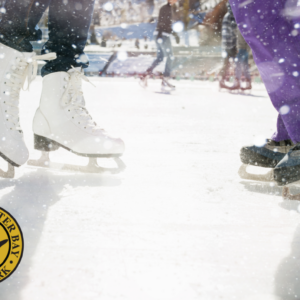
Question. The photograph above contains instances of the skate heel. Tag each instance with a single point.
(44, 144)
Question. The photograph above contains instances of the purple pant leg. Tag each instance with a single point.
(281, 133)
(271, 31)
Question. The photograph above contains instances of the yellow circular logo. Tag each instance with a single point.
(11, 244)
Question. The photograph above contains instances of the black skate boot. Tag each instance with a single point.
(166, 86)
(288, 169)
(267, 156)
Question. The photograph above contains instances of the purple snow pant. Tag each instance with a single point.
(273, 33)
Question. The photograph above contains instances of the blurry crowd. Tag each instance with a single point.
(215, 35)
(116, 12)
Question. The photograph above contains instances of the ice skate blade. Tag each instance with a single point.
(164, 93)
(228, 90)
(268, 177)
(246, 92)
(91, 167)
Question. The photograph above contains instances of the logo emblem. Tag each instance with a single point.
(11, 244)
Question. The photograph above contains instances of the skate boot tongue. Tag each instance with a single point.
(74, 100)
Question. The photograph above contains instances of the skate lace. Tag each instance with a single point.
(22, 69)
(74, 100)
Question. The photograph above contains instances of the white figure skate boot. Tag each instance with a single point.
(144, 80)
(166, 86)
(63, 121)
(15, 67)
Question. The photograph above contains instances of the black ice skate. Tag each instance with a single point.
(288, 169)
(166, 86)
(267, 156)
(287, 172)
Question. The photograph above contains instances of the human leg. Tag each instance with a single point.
(277, 61)
(18, 23)
(69, 23)
(224, 67)
(268, 28)
(242, 68)
(245, 61)
(155, 63)
(238, 65)
(229, 57)
(242, 64)
(159, 56)
(166, 86)
(281, 133)
(168, 51)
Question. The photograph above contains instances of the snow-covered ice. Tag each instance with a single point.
(178, 224)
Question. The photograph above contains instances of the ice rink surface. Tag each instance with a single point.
(178, 224)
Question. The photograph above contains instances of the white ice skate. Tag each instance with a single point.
(144, 81)
(246, 87)
(15, 68)
(166, 86)
(63, 121)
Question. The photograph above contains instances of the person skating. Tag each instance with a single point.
(229, 45)
(274, 40)
(62, 119)
(162, 38)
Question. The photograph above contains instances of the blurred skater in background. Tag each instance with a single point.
(164, 47)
